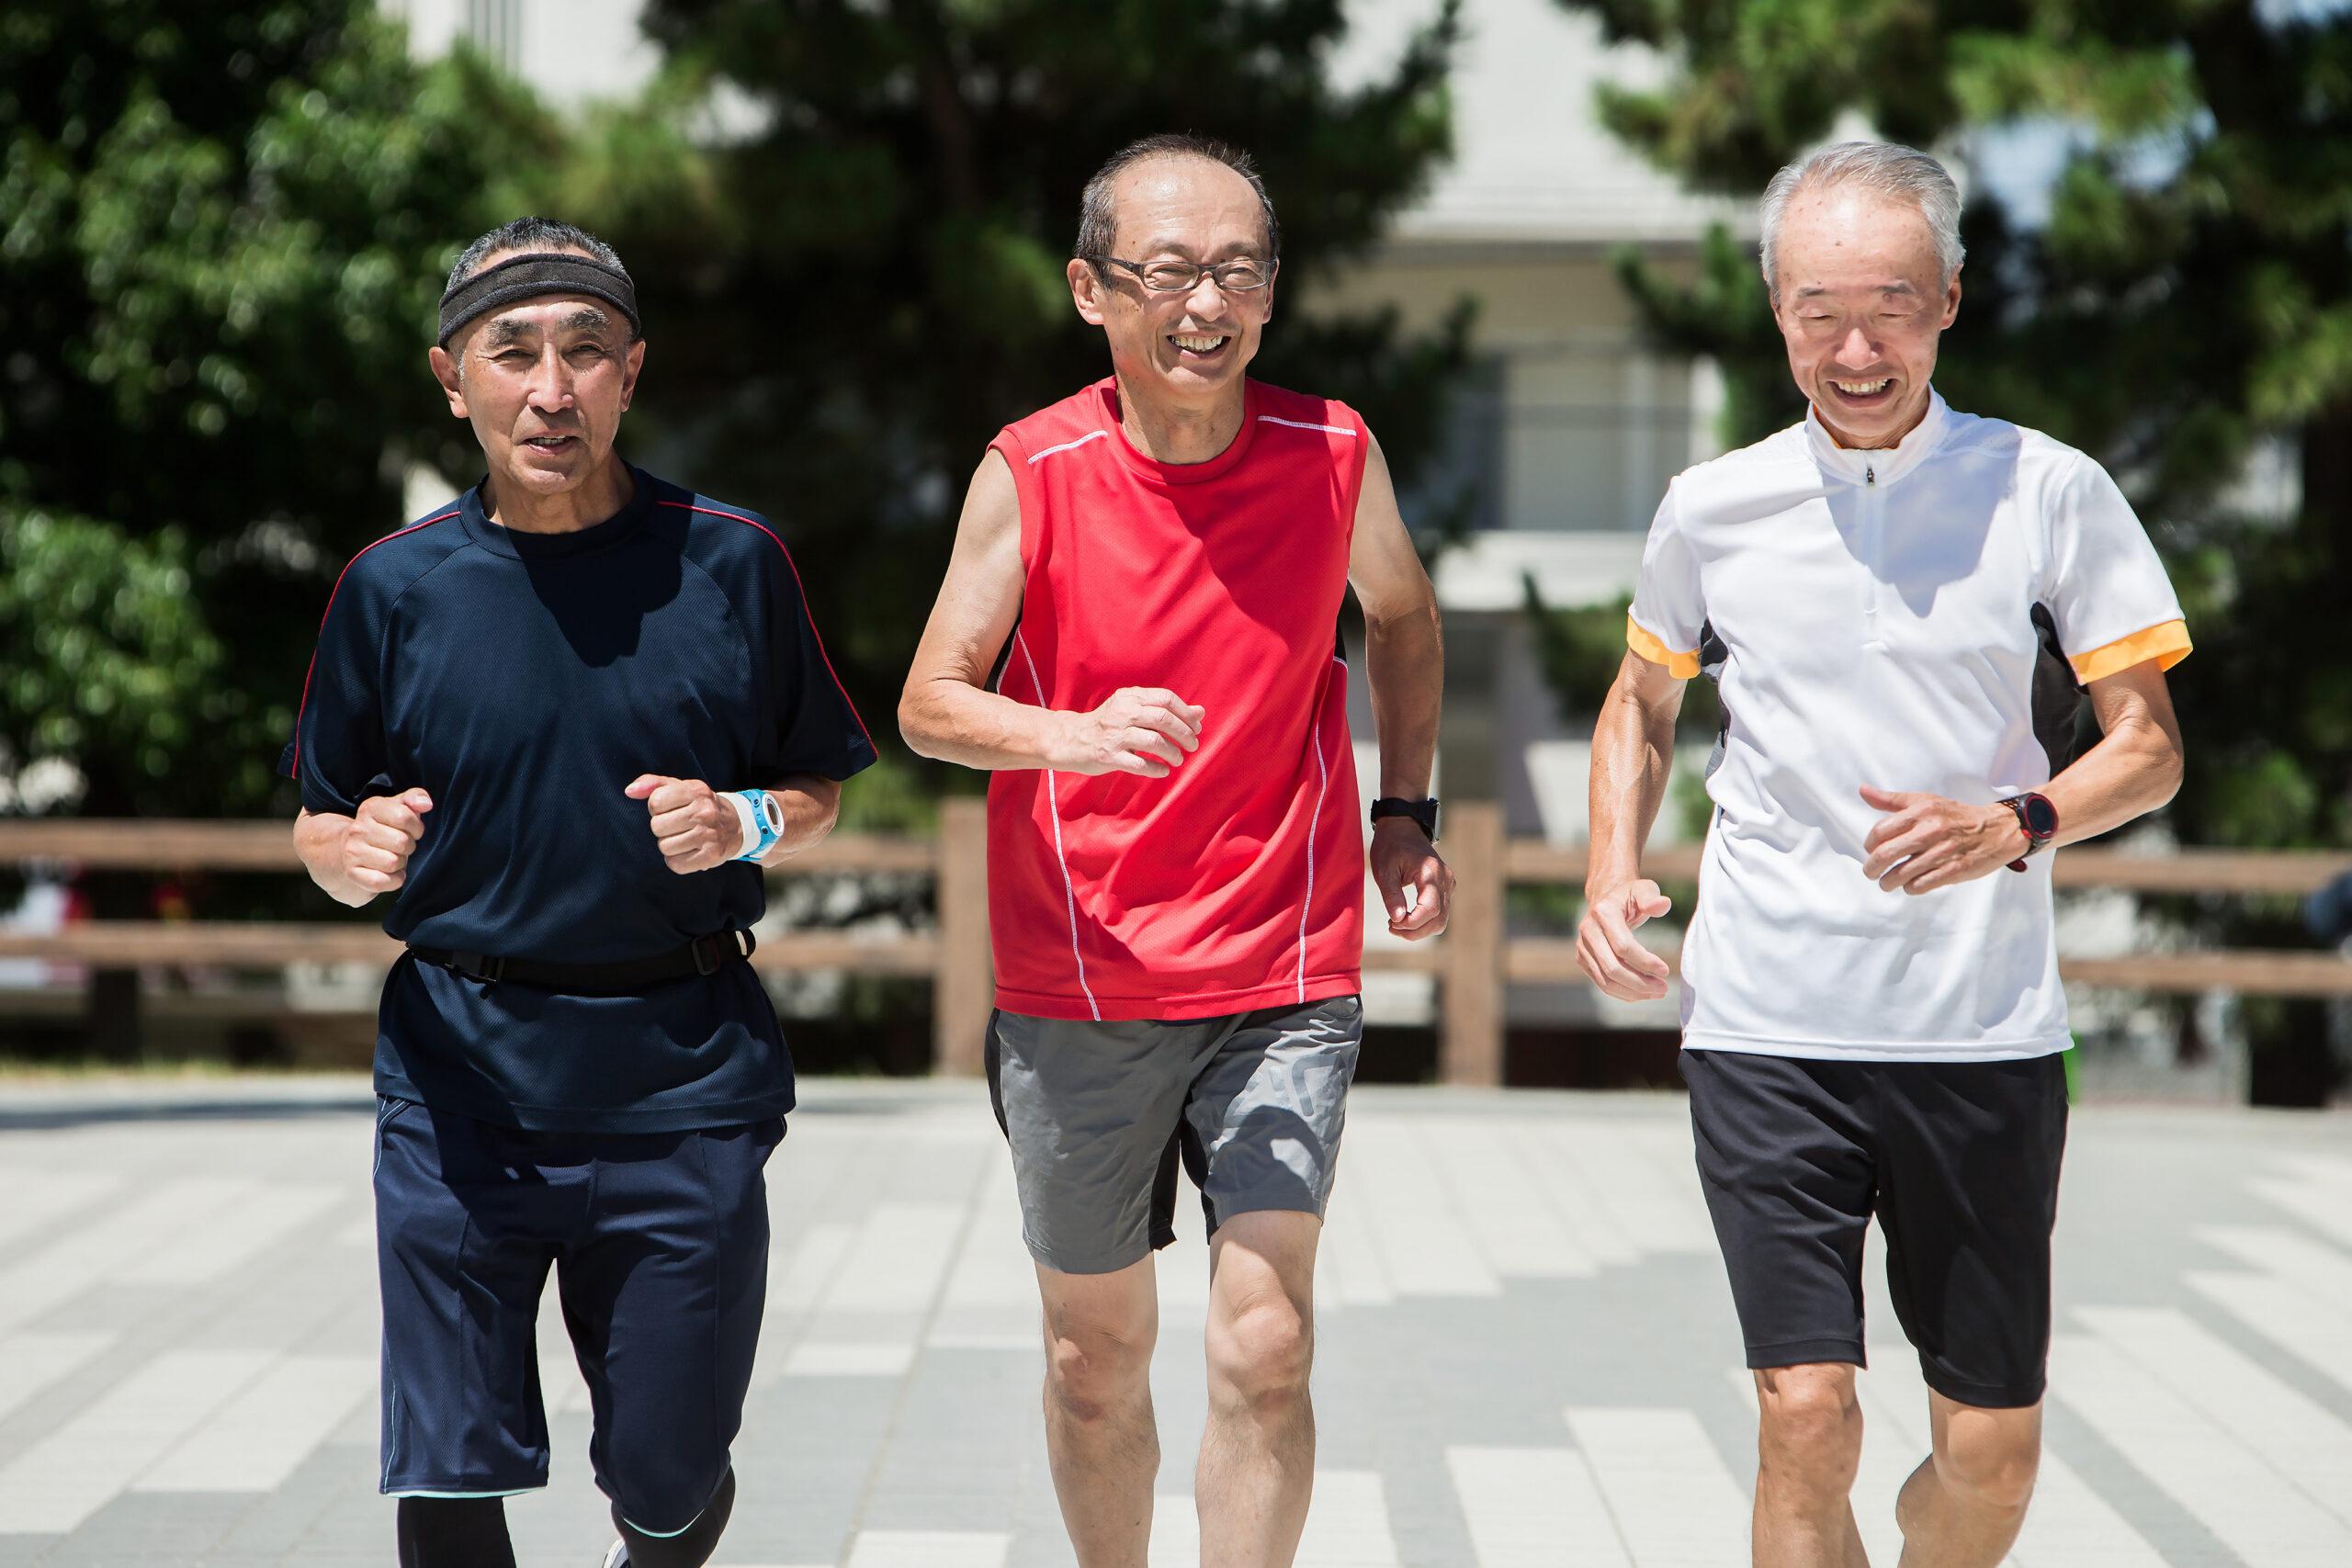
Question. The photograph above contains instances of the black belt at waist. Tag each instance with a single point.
(703, 955)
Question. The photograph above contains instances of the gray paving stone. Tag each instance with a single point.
(1408, 1368)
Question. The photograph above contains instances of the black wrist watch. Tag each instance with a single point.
(1421, 811)
(2039, 821)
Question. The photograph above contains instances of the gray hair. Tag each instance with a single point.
(1886, 167)
(1097, 223)
(532, 234)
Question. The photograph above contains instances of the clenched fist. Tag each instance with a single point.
(384, 832)
(694, 828)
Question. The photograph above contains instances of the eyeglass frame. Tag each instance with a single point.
(1200, 270)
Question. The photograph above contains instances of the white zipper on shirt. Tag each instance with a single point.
(1873, 556)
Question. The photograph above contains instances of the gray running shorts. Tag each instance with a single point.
(1098, 1114)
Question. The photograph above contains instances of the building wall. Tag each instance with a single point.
(1577, 423)
(570, 50)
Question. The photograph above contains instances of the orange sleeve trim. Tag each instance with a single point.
(1684, 665)
(2167, 642)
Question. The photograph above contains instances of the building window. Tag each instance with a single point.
(1590, 436)
(495, 27)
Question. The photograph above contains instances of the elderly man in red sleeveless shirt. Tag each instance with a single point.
(1153, 570)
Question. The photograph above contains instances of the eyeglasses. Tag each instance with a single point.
(1244, 276)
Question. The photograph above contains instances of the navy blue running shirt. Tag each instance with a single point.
(522, 681)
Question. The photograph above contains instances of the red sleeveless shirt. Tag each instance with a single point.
(1235, 882)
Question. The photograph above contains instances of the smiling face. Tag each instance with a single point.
(1191, 347)
(544, 384)
(1861, 302)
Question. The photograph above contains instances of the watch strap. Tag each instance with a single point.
(2034, 843)
(1423, 813)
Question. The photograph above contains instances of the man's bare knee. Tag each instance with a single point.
(1990, 1461)
(1262, 1352)
(1093, 1367)
(1099, 1333)
(1810, 1434)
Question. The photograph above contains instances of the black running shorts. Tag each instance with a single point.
(1958, 1160)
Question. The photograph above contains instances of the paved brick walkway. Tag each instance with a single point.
(1527, 1355)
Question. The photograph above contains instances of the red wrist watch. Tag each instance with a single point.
(2039, 821)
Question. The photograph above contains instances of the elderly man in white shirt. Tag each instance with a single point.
(1870, 1004)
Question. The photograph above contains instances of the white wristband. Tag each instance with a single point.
(749, 845)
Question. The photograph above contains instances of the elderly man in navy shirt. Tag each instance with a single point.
(563, 721)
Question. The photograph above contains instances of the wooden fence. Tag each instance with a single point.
(1472, 963)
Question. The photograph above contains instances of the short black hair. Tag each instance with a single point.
(1097, 222)
(532, 233)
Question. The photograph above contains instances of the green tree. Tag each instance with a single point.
(849, 224)
(221, 228)
(2184, 310)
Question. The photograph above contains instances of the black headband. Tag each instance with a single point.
(531, 276)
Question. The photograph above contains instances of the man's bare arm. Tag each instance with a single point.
(697, 828)
(1926, 841)
(947, 711)
(813, 805)
(1405, 668)
(1633, 752)
(2136, 766)
(1404, 642)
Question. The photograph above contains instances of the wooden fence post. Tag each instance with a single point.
(965, 987)
(1470, 980)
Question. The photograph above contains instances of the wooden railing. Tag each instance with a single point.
(1474, 962)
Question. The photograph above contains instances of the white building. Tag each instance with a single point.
(570, 50)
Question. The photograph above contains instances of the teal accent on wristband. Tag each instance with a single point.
(767, 816)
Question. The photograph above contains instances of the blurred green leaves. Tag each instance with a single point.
(225, 228)
(102, 646)
(2068, 67)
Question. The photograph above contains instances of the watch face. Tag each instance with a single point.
(2040, 817)
(771, 814)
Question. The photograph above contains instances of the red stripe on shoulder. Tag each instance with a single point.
(304, 707)
(802, 589)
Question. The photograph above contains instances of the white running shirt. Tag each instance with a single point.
(1874, 610)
